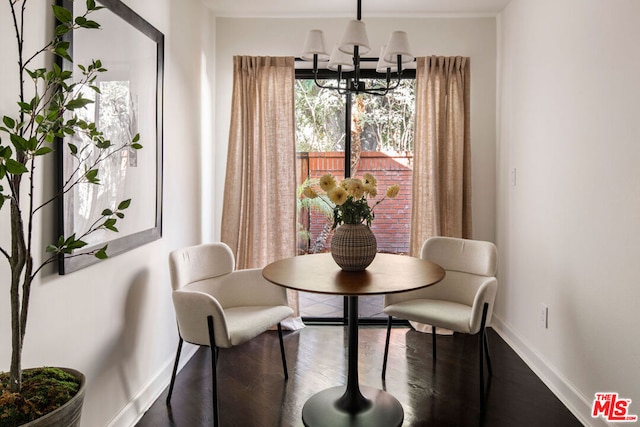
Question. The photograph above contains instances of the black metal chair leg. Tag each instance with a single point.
(481, 365)
(214, 370)
(481, 353)
(175, 370)
(487, 353)
(284, 359)
(433, 342)
(386, 349)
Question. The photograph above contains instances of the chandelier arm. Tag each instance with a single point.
(315, 75)
(342, 90)
(381, 91)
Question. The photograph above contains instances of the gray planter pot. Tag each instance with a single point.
(67, 415)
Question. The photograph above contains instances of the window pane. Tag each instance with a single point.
(382, 145)
(320, 139)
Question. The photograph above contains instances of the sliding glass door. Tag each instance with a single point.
(349, 135)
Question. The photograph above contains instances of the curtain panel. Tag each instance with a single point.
(442, 156)
(259, 207)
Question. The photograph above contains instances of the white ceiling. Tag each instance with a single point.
(347, 8)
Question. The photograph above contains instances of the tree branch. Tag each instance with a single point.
(6, 254)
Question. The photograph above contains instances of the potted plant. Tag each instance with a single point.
(48, 99)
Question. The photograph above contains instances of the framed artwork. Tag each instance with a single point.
(129, 102)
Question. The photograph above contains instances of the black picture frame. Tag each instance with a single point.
(135, 49)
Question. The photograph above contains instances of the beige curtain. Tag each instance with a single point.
(259, 207)
(442, 163)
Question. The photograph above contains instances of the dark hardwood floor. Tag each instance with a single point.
(253, 391)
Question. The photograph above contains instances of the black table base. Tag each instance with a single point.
(352, 405)
(322, 410)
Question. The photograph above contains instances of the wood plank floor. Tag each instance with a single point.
(253, 392)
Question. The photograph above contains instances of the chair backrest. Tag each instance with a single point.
(463, 255)
(468, 264)
(200, 262)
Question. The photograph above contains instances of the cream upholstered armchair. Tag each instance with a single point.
(462, 301)
(219, 307)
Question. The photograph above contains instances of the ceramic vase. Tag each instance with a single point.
(353, 246)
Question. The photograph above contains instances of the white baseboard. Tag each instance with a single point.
(579, 404)
(142, 401)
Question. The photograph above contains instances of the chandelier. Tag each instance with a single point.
(345, 58)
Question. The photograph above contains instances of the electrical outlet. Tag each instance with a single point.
(543, 316)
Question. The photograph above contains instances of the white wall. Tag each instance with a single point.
(114, 321)
(473, 37)
(569, 230)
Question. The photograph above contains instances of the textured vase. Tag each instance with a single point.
(353, 246)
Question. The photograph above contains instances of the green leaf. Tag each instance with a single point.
(65, 45)
(107, 212)
(90, 24)
(14, 167)
(3, 171)
(62, 30)
(73, 148)
(91, 4)
(103, 144)
(24, 107)
(78, 103)
(92, 176)
(77, 244)
(63, 14)
(61, 52)
(9, 122)
(32, 143)
(110, 222)
(120, 215)
(102, 253)
(124, 204)
(136, 138)
(136, 146)
(42, 151)
(56, 68)
(51, 248)
(19, 142)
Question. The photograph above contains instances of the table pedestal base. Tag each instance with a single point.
(321, 410)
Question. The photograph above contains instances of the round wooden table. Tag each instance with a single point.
(353, 405)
